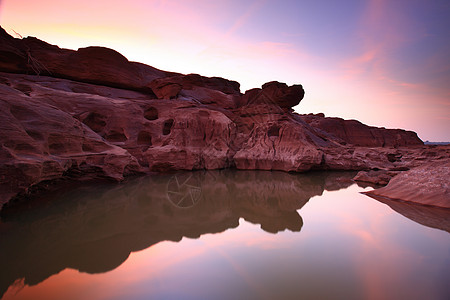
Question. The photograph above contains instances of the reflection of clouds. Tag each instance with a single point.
(356, 247)
(385, 256)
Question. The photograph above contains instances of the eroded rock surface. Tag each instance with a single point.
(427, 184)
(276, 93)
(96, 115)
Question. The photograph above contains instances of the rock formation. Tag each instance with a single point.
(428, 185)
(92, 114)
(96, 65)
(355, 133)
(274, 93)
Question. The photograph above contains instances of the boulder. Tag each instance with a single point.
(375, 177)
(167, 88)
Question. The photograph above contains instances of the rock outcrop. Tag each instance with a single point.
(210, 91)
(96, 65)
(428, 185)
(91, 114)
(275, 93)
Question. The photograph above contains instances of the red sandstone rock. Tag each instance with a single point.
(167, 88)
(427, 185)
(225, 86)
(159, 121)
(376, 177)
(358, 134)
(97, 65)
(276, 93)
(41, 142)
(163, 135)
(212, 91)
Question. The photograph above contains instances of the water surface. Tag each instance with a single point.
(222, 235)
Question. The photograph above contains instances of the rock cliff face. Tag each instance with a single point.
(92, 114)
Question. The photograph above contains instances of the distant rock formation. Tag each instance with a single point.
(92, 114)
(358, 134)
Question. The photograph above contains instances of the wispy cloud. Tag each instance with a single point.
(242, 19)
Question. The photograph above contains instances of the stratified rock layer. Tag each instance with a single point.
(358, 134)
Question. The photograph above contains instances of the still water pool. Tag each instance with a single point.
(224, 235)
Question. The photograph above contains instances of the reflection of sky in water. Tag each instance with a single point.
(350, 247)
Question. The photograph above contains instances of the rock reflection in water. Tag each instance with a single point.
(430, 216)
(94, 230)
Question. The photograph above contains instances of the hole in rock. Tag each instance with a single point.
(95, 121)
(144, 138)
(273, 131)
(151, 113)
(167, 127)
(393, 157)
(56, 148)
(116, 136)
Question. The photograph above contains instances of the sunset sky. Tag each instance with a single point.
(383, 62)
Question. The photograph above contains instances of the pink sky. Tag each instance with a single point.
(385, 63)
